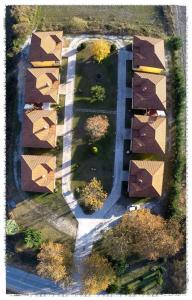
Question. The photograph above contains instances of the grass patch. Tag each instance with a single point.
(103, 162)
(86, 77)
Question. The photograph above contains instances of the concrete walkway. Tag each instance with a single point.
(89, 227)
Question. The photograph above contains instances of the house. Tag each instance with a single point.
(149, 91)
(46, 49)
(39, 129)
(148, 134)
(145, 178)
(42, 85)
(148, 54)
(37, 173)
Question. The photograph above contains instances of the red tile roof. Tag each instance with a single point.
(149, 91)
(145, 178)
(39, 129)
(149, 52)
(37, 173)
(46, 46)
(42, 85)
(148, 134)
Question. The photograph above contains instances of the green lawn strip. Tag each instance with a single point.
(86, 77)
(139, 278)
(103, 162)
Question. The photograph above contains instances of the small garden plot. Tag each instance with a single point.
(90, 73)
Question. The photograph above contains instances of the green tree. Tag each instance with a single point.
(32, 238)
(97, 93)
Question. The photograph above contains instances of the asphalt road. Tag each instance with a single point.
(22, 282)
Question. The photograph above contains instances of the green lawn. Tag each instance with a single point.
(103, 162)
(86, 77)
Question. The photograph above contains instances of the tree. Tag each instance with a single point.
(98, 274)
(32, 238)
(55, 261)
(174, 43)
(81, 47)
(12, 227)
(144, 234)
(100, 49)
(113, 48)
(96, 127)
(92, 195)
(97, 93)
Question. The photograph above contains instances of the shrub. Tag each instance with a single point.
(97, 93)
(96, 127)
(174, 43)
(12, 227)
(113, 48)
(81, 47)
(94, 150)
(77, 24)
(32, 238)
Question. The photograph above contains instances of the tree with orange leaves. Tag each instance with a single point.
(54, 261)
(144, 234)
(100, 49)
(98, 274)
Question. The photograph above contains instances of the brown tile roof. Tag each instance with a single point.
(148, 134)
(149, 91)
(145, 178)
(42, 85)
(39, 129)
(37, 173)
(46, 46)
(149, 52)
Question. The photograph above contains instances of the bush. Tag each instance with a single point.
(113, 48)
(12, 227)
(112, 288)
(97, 93)
(77, 24)
(174, 43)
(81, 47)
(94, 150)
(32, 238)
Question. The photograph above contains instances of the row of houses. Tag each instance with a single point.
(148, 131)
(39, 128)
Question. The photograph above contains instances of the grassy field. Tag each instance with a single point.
(81, 154)
(105, 19)
(86, 77)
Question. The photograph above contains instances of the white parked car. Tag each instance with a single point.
(133, 207)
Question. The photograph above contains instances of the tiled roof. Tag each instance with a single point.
(42, 85)
(46, 46)
(149, 52)
(37, 173)
(39, 129)
(145, 178)
(149, 91)
(148, 134)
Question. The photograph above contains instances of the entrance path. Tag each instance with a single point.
(90, 226)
